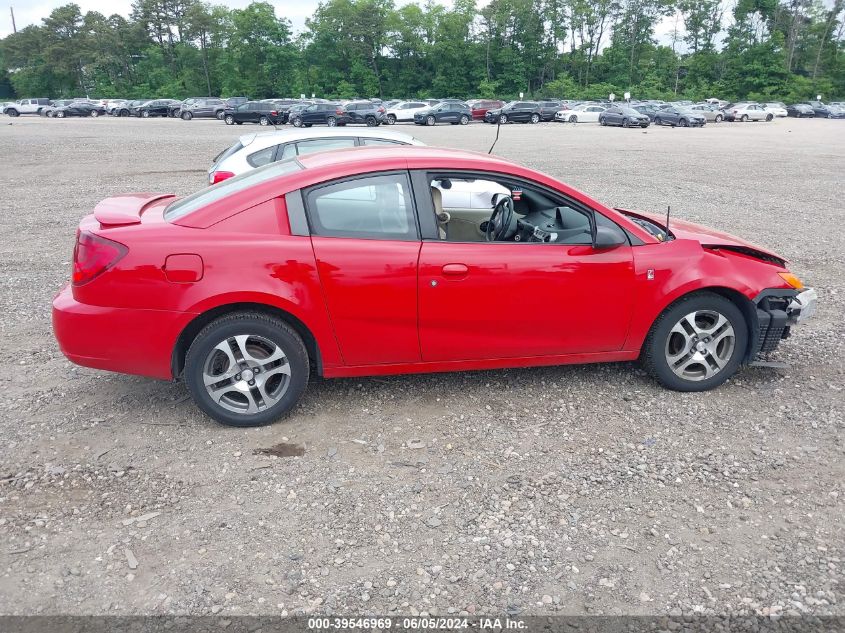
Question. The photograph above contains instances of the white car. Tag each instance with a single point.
(584, 113)
(404, 111)
(776, 107)
(255, 150)
(748, 112)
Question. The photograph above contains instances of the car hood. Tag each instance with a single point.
(709, 238)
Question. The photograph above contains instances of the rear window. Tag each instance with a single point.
(221, 190)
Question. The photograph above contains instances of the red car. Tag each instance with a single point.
(480, 107)
(346, 264)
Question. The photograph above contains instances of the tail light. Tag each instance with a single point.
(273, 113)
(94, 255)
(220, 176)
(338, 112)
(381, 109)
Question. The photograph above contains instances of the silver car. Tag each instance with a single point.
(710, 112)
(255, 150)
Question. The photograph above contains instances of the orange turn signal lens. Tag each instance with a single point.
(792, 280)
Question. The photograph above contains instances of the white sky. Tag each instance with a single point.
(33, 11)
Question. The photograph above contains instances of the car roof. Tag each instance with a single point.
(416, 156)
(261, 140)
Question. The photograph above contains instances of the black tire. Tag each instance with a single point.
(297, 122)
(719, 118)
(769, 117)
(60, 114)
(658, 342)
(123, 113)
(744, 118)
(683, 123)
(430, 120)
(331, 121)
(503, 118)
(626, 123)
(187, 116)
(573, 118)
(658, 120)
(263, 121)
(259, 326)
(391, 119)
(145, 114)
(229, 119)
(464, 119)
(49, 114)
(535, 118)
(219, 115)
(12, 112)
(371, 121)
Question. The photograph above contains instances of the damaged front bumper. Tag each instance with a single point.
(777, 312)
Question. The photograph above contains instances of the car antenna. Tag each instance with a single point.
(667, 221)
(498, 126)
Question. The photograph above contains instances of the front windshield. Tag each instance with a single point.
(204, 197)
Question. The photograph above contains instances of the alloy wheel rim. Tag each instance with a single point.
(700, 345)
(246, 374)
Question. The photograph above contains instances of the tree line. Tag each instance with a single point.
(760, 49)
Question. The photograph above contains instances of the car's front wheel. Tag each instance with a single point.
(60, 114)
(247, 369)
(229, 119)
(296, 122)
(697, 343)
(430, 120)
(719, 118)
(503, 118)
(187, 116)
(391, 119)
(145, 114)
(573, 118)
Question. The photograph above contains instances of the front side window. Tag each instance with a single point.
(374, 207)
(379, 141)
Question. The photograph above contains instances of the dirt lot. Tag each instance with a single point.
(558, 490)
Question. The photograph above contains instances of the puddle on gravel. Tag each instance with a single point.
(283, 449)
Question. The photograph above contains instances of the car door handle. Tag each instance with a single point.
(455, 270)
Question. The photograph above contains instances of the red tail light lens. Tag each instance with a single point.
(220, 176)
(381, 109)
(273, 113)
(94, 255)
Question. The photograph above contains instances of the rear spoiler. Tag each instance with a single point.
(126, 209)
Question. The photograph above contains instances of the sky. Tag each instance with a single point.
(33, 11)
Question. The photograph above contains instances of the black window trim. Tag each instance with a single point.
(309, 191)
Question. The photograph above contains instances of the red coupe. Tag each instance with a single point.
(346, 264)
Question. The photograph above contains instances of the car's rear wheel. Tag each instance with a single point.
(697, 343)
(535, 118)
(331, 121)
(263, 121)
(602, 122)
(219, 115)
(60, 114)
(683, 123)
(247, 369)
(187, 116)
(464, 119)
(229, 119)
(744, 118)
(769, 117)
(430, 120)
(123, 113)
(658, 120)
(371, 121)
(12, 113)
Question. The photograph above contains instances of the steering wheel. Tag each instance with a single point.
(499, 224)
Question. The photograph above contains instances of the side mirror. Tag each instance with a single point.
(609, 237)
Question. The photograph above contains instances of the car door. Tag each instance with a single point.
(492, 300)
(366, 244)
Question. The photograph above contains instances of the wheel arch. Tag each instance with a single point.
(190, 331)
(745, 305)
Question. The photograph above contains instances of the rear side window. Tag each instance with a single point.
(377, 207)
(228, 152)
(221, 190)
(379, 141)
(323, 144)
(262, 157)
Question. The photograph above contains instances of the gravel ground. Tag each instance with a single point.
(571, 490)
